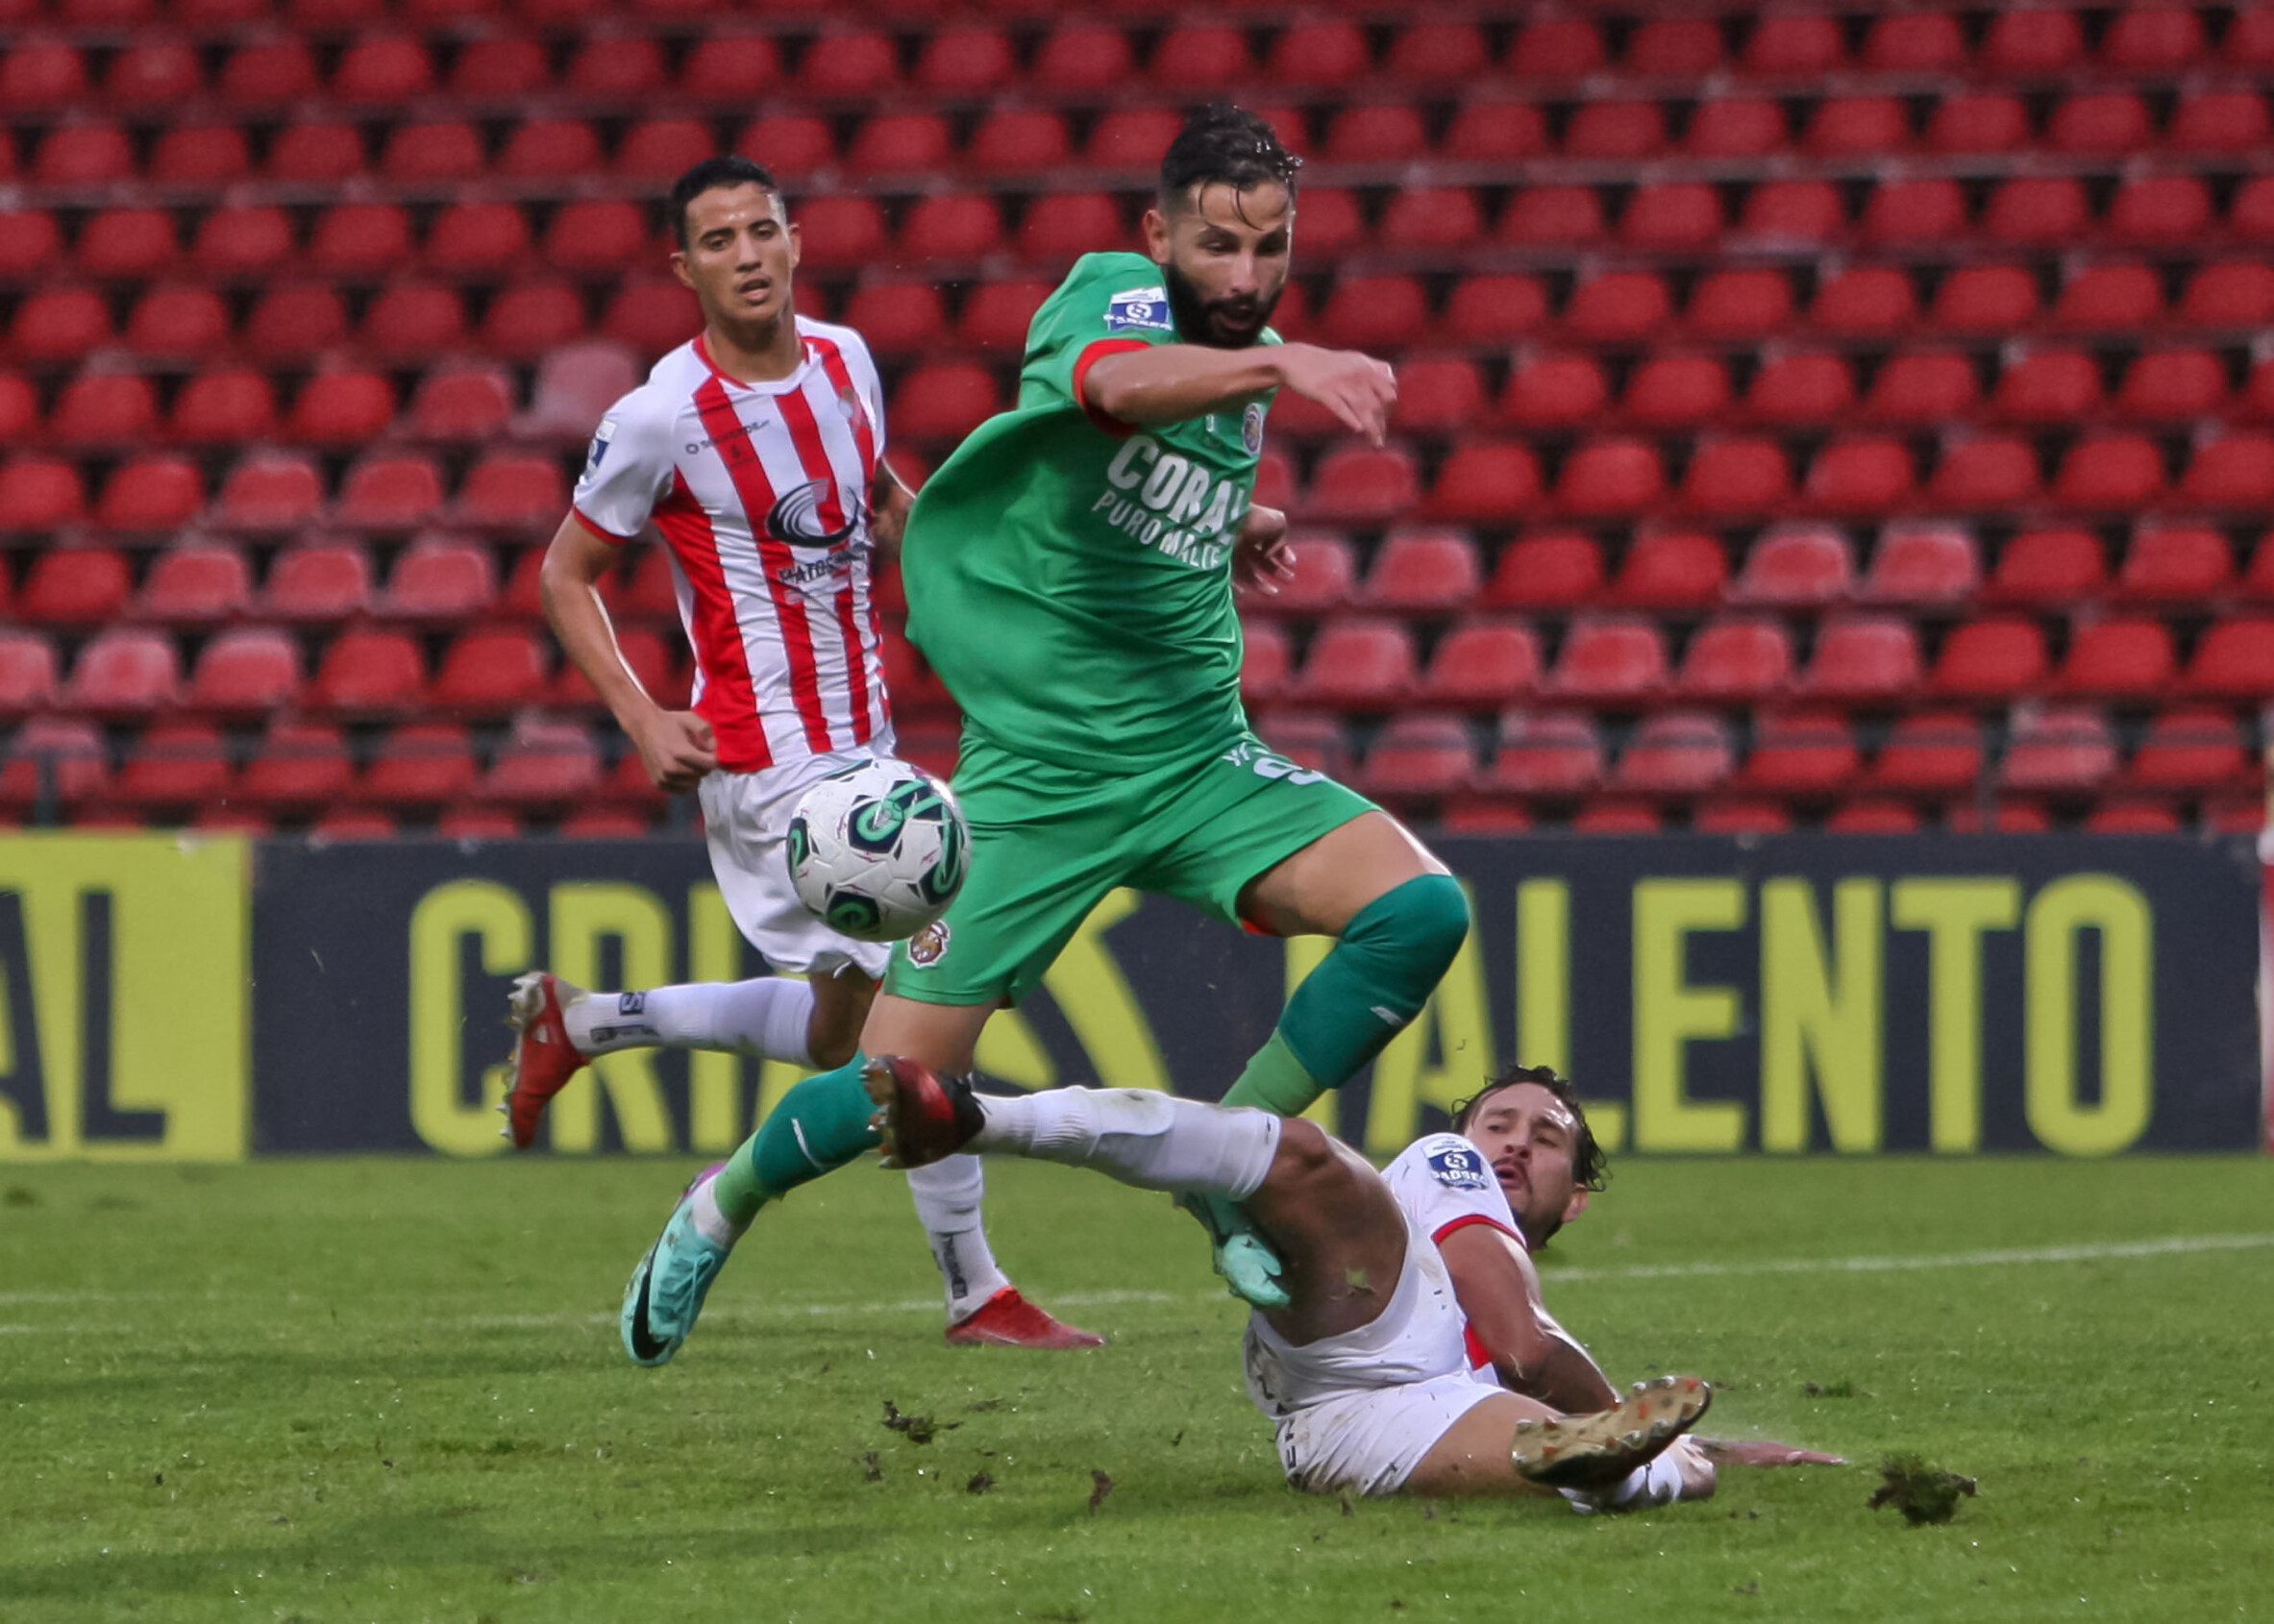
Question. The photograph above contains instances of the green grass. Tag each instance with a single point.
(390, 1389)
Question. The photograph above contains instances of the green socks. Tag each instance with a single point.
(1364, 993)
(819, 1126)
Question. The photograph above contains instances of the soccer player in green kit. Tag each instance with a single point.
(1070, 572)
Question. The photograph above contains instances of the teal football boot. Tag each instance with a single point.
(667, 1288)
(1249, 1268)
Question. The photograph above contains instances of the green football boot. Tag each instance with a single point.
(667, 1288)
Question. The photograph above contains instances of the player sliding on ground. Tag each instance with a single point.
(757, 450)
(1412, 1352)
(1070, 575)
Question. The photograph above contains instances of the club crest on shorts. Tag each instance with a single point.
(1141, 308)
(1459, 1166)
(1251, 429)
(929, 946)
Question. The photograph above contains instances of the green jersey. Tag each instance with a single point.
(1068, 575)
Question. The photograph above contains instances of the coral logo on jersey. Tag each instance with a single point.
(929, 946)
(1459, 1166)
(1143, 310)
(797, 516)
(601, 436)
(1251, 429)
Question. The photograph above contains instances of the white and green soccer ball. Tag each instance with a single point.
(877, 850)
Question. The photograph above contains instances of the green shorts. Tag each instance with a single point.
(1050, 841)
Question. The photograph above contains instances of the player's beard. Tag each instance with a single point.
(1197, 319)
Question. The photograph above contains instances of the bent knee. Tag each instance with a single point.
(1437, 912)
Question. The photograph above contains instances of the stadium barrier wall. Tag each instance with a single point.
(2079, 994)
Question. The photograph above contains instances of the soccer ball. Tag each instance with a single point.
(877, 850)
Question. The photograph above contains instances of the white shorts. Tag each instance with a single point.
(1358, 1412)
(746, 819)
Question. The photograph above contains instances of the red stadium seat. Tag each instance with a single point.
(1199, 56)
(52, 756)
(1865, 300)
(268, 73)
(1019, 141)
(2234, 659)
(899, 143)
(463, 403)
(2195, 748)
(2032, 41)
(1617, 815)
(195, 583)
(1801, 753)
(1921, 209)
(1608, 660)
(543, 763)
(608, 234)
(1444, 395)
(1990, 471)
(1419, 757)
(538, 150)
(1561, 48)
(2052, 386)
(1997, 657)
(389, 493)
(1552, 216)
(1672, 217)
(503, 66)
(2220, 121)
(1424, 217)
(2102, 123)
(173, 321)
(1485, 481)
(1420, 570)
(128, 243)
(1740, 815)
(1547, 570)
(1363, 483)
(247, 671)
(2258, 577)
(1740, 304)
(443, 150)
(270, 491)
(126, 671)
(1673, 391)
(342, 409)
(1494, 309)
(2057, 750)
(1930, 753)
(2153, 40)
(39, 494)
(1735, 658)
(74, 586)
(1924, 386)
(1621, 129)
(2114, 470)
(149, 494)
(1550, 754)
(965, 61)
(2037, 210)
(510, 490)
(1131, 139)
(370, 671)
(382, 69)
(1673, 47)
(104, 410)
(1438, 54)
(318, 582)
(294, 323)
(944, 400)
(2250, 38)
(1617, 307)
(1795, 566)
(1487, 130)
(1555, 391)
(1923, 564)
(414, 321)
(41, 73)
(28, 671)
(1319, 55)
(1677, 752)
(1735, 127)
(2171, 564)
(1267, 658)
(952, 226)
(1803, 212)
(650, 315)
(82, 155)
(317, 153)
(1737, 476)
(1868, 815)
(31, 242)
(899, 317)
(1857, 127)
(2110, 297)
(1806, 387)
(1060, 225)
(173, 762)
(299, 764)
(1795, 45)
(789, 143)
(1670, 570)
(1985, 299)
(2126, 656)
(661, 149)
(1325, 577)
(1483, 663)
(2134, 815)
(2173, 383)
(1610, 477)
(616, 65)
(997, 314)
(421, 763)
(1860, 475)
(1377, 132)
(2234, 471)
(19, 415)
(1081, 55)
(60, 324)
(2160, 209)
(490, 671)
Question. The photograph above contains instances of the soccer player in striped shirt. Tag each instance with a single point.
(755, 450)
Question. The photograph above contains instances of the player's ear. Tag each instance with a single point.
(796, 243)
(679, 267)
(1577, 1205)
(1156, 236)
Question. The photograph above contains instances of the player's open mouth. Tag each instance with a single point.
(753, 289)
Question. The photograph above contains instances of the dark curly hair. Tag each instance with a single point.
(1588, 1162)
(715, 174)
(1222, 142)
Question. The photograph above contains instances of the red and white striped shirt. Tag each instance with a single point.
(761, 492)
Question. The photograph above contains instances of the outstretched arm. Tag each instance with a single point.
(674, 746)
(1499, 1292)
(1176, 382)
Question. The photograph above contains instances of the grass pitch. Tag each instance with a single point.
(390, 1389)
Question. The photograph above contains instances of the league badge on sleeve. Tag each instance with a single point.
(601, 436)
(1139, 309)
(1460, 1167)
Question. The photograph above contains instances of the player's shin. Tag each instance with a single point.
(1152, 1140)
(1364, 993)
(819, 1126)
(947, 1195)
(768, 1017)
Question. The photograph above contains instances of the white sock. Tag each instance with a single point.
(768, 1017)
(1152, 1140)
(947, 1197)
(713, 1224)
(1659, 1483)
